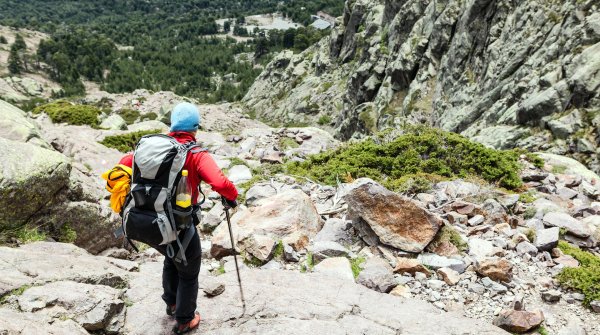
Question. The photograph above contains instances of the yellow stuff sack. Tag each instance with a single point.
(118, 180)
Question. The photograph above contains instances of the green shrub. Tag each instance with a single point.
(65, 112)
(527, 197)
(129, 115)
(126, 142)
(531, 234)
(419, 151)
(28, 234)
(559, 169)
(585, 278)
(449, 234)
(67, 234)
(288, 143)
(529, 213)
(150, 116)
(324, 120)
(278, 252)
(355, 265)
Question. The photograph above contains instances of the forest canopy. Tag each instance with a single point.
(159, 45)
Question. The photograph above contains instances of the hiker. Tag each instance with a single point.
(180, 281)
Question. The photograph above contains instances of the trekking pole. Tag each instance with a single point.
(237, 269)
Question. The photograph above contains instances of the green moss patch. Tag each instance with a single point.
(126, 142)
(419, 151)
(585, 278)
(66, 112)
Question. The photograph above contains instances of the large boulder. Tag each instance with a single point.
(91, 306)
(43, 262)
(290, 214)
(396, 220)
(15, 126)
(114, 122)
(572, 225)
(30, 177)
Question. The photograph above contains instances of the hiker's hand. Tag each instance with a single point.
(228, 203)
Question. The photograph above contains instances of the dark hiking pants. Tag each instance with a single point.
(180, 285)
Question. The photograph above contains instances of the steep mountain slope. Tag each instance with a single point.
(506, 73)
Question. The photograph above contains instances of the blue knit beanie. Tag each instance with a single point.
(185, 117)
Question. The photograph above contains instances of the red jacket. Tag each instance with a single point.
(201, 167)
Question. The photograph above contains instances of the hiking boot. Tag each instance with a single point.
(187, 327)
(171, 310)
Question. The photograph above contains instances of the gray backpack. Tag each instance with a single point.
(150, 214)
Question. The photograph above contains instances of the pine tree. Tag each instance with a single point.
(20, 43)
(15, 64)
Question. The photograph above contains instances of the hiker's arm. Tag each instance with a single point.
(210, 173)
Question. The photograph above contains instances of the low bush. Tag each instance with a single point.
(419, 152)
(65, 112)
(585, 278)
(129, 115)
(126, 142)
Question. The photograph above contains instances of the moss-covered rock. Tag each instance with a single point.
(30, 176)
(420, 151)
(126, 142)
(65, 112)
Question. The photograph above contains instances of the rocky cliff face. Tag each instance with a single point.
(506, 73)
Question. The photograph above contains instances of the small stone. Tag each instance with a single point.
(551, 296)
(401, 291)
(496, 269)
(476, 220)
(547, 239)
(456, 218)
(435, 262)
(435, 284)
(526, 248)
(567, 261)
(410, 265)
(449, 276)
(289, 254)
(519, 303)
(595, 306)
(566, 193)
(214, 288)
(519, 321)
(326, 249)
(420, 276)
(440, 305)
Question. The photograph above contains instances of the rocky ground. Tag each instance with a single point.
(465, 255)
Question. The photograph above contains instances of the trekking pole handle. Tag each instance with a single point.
(228, 204)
